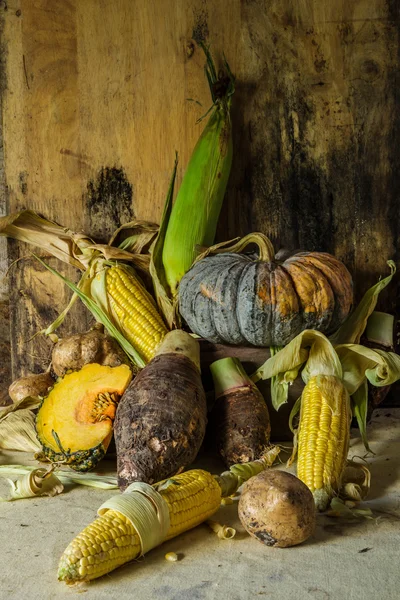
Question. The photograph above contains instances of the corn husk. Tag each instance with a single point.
(380, 330)
(356, 481)
(17, 426)
(338, 508)
(165, 302)
(353, 327)
(231, 480)
(101, 482)
(38, 482)
(194, 216)
(224, 532)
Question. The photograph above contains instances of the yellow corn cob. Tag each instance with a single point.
(134, 311)
(323, 436)
(111, 540)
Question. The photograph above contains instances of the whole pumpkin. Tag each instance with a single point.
(236, 299)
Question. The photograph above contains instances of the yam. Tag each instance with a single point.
(161, 418)
(239, 421)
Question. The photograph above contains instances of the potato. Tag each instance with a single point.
(94, 346)
(277, 508)
(31, 385)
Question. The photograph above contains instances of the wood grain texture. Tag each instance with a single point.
(96, 103)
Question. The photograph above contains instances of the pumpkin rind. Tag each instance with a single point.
(74, 422)
(230, 298)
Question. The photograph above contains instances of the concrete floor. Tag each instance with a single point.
(343, 560)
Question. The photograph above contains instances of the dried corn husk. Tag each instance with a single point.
(101, 482)
(356, 481)
(338, 508)
(39, 482)
(224, 532)
(17, 426)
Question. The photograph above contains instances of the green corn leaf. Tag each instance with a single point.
(165, 303)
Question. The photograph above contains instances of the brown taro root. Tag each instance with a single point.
(31, 385)
(94, 346)
(239, 421)
(277, 509)
(161, 418)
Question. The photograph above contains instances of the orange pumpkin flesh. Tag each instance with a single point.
(75, 421)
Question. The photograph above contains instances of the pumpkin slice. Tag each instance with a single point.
(74, 423)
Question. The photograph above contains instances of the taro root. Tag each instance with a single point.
(236, 299)
(31, 385)
(94, 346)
(74, 423)
(277, 509)
(161, 418)
(239, 421)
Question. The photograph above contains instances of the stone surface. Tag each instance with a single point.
(357, 560)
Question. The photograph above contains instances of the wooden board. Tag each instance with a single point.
(96, 103)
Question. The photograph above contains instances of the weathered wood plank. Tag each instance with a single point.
(97, 103)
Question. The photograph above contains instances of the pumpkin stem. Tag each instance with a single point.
(265, 248)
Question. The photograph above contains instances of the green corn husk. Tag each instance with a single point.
(194, 216)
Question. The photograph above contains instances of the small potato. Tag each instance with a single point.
(277, 508)
(31, 385)
(94, 346)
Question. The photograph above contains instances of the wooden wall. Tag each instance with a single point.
(95, 103)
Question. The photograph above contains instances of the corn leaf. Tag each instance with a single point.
(165, 302)
(100, 316)
(359, 401)
(352, 329)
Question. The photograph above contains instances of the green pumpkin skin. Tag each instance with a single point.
(232, 299)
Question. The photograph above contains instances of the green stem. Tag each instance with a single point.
(228, 374)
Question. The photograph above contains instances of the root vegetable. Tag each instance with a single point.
(31, 385)
(94, 346)
(240, 419)
(277, 509)
(161, 418)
